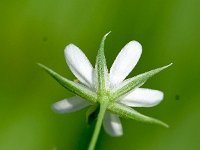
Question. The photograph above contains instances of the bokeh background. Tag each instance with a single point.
(34, 31)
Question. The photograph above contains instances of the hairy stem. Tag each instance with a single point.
(97, 127)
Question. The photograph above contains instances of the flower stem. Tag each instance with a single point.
(97, 127)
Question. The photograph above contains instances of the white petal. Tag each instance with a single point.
(125, 62)
(112, 124)
(79, 65)
(70, 105)
(142, 97)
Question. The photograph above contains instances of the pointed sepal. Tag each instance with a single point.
(127, 112)
(101, 67)
(134, 82)
(92, 113)
(73, 87)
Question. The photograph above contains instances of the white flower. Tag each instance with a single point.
(115, 79)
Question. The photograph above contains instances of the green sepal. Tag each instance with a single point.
(132, 83)
(73, 87)
(127, 112)
(101, 67)
(92, 113)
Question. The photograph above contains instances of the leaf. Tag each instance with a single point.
(101, 67)
(137, 81)
(73, 87)
(127, 112)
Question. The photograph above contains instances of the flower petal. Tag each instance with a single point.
(142, 97)
(112, 125)
(125, 62)
(79, 65)
(70, 105)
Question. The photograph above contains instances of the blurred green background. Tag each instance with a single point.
(34, 31)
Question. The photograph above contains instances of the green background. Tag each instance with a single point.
(34, 31)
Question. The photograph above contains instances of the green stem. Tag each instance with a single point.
(97, 127)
